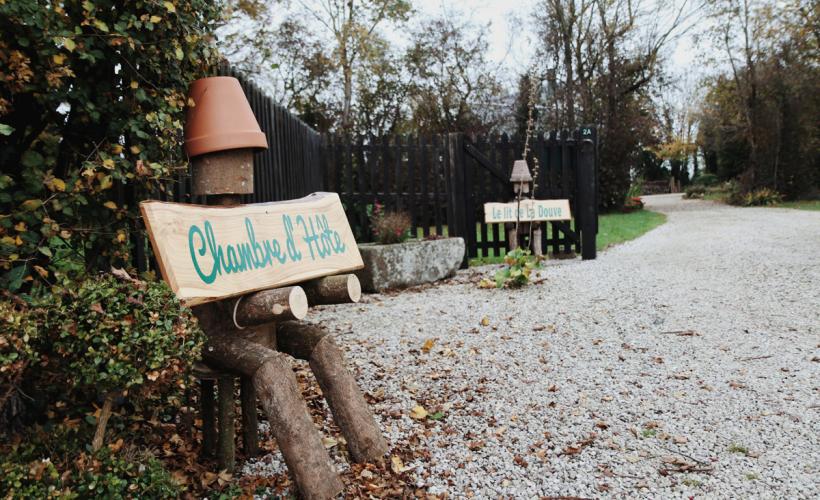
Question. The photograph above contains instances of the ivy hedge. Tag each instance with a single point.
(92, 103)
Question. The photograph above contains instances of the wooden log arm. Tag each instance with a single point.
(263, 307)
(339, 289)
(350, 410)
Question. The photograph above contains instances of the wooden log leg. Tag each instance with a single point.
(225, 446)
(250, 437)
(350, 410)
(208, 405)
(512, 238)
(536, 240)
(301, 445)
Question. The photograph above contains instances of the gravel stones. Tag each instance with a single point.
(683, 363)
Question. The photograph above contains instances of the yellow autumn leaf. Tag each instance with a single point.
(121, 237)
(42, 272)
(58, 58)
(20, 226)
(7, 240)
(106, 182)
(155, 19)
(69, 44)
(135, 150)
(134, 84)
(31, 205)
(110, 204)
(397, 465)
(108, 163)
(418, 412)
(170, 7)
(116, 149)
(57, 185)
(485, 321)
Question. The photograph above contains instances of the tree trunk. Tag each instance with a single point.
(102, 422)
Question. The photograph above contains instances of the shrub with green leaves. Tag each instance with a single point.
(92, 99)
(518, 265)
(762, 197)
(29, 471)
(114, 335)
(705, 179)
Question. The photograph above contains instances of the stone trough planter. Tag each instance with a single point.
(409, 263)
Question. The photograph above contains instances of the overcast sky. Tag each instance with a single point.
(511, 29)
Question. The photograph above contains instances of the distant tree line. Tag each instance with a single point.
(760, 118)
(337, 65)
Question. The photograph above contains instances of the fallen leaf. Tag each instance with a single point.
(329, 442)
(418, 412)
(397, 465)
(428, 344)
(485, 321)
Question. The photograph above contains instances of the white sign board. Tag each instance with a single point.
(527, 211)
(207, 253)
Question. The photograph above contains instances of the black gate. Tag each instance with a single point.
(444, 181)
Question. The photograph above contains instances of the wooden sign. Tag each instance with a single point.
(527, 211)
(207, 253)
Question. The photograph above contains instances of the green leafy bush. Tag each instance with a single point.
(694, 191)
(115, 335)
(28, 471)
(106, 337)
(518, 265)
(390, 227)
(705, 179)
(762, 197)
(92, 98)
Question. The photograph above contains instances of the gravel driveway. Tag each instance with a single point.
(684, 363)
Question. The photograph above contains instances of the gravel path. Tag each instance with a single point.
(684, 363)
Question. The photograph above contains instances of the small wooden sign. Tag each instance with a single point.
(527, 211)
(207, 253)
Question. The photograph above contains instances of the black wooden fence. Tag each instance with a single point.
(444, 181)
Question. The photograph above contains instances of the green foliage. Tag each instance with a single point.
(694, 191)
(635, 189)
(389, 227)
(519, 264)
(705, 179)
(92, 97)
(114, 335)
(18, 333)
(761, 197)
(28, 471)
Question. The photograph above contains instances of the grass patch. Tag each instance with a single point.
(617, 228)
(613, 228)
(736, 448)
(800, 204)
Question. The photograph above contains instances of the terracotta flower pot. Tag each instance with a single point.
(221, 118)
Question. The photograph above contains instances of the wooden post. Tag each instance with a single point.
(225, 453)
(250, 433)
(350, 410)
(536, 239)
(208, 404)
(457, 202)
(587, 201)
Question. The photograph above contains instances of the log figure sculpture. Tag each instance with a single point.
(521, 178)
(254, 336)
